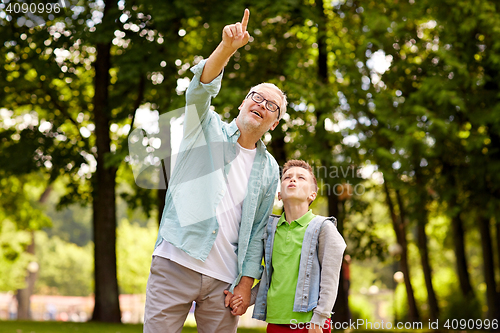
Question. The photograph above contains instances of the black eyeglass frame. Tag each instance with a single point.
(252, 93)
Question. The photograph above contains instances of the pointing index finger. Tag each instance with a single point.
(244, 21)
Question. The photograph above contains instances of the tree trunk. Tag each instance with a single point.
(107, 307)
(426, 265)
(162, 193)
(341, 309)
(23, 295)
(497, 231)
(420, 213)
(489, 268)
(400, 231)
(458, 235)
(166, 166)
(459, 246)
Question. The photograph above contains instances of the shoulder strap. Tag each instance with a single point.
(322, 219)
(273, 222)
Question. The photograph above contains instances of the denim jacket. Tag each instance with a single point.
(319, 270)
(197, 184)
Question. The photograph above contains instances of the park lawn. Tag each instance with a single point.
(14, 326)
(90, 327)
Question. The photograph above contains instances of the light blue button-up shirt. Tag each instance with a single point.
(197, 184)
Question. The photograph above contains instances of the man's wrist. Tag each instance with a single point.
(246, 282)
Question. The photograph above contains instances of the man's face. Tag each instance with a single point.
(255, 117)
(297, 184)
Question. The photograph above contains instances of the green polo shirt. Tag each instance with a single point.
(286, 261)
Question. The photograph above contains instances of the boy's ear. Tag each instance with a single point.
(279, 196)
(312, 196)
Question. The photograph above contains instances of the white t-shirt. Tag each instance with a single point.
(222, 261)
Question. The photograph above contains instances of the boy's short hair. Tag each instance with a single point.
(301, 164)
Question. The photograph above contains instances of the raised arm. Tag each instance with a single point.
(234, 36)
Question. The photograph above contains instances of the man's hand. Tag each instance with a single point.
(234, 301)
(240, 297)
(236, 35)
(315, 329)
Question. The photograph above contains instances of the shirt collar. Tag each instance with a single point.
(234, 130)
(303, 220)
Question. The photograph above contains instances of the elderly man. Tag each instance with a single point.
(219, 199)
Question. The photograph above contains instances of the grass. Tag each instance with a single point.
(90, 327)
(93, 327)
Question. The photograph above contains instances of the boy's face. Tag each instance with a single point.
(297, 184)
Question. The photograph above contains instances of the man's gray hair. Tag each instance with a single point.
(283, 102)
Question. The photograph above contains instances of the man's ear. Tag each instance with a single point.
(241, 105)
(273, 126)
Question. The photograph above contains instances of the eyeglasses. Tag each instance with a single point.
(258, 98)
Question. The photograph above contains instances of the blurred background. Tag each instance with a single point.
(395, 104)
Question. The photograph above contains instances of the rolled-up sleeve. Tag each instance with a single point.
(200, 96)
(252, 266)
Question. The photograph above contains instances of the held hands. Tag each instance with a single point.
(235, 302)
(236, 35)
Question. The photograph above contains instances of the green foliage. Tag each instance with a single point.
(19, 200)
(13, 258)
(135, 245)
(361, 308)
(65, 268)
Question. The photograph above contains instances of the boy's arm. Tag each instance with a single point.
(331, 248)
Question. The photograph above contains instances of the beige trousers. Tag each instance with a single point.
(170, 292)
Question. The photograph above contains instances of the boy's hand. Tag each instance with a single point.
(236, 35)
(243, 290)
(234, 301)
(315, 329)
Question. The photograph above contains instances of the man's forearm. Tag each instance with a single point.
(216, 63)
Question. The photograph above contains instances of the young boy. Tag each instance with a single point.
(303, 256)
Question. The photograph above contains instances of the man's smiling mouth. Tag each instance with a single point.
(257, 113)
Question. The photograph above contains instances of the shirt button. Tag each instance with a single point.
(213, 232)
